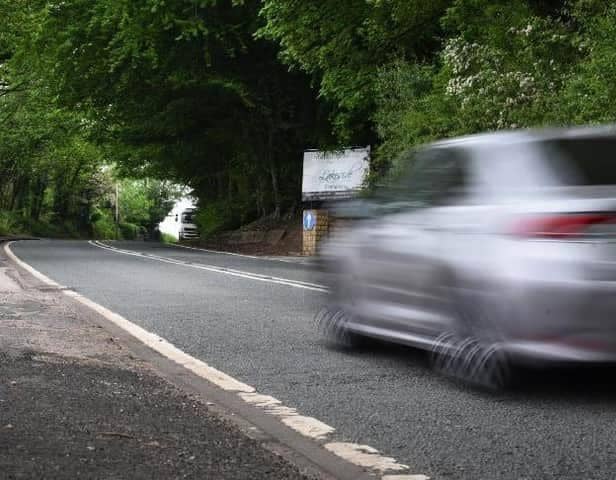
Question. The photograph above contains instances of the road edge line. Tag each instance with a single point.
(222, 252)
(364, 457)
(268, 258)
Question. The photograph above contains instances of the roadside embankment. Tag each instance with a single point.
(282, 238)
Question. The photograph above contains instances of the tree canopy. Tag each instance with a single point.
(342, 45)
(183, 90)
(224, 95)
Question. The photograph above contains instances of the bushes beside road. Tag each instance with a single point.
(13, 224)
(103, 228)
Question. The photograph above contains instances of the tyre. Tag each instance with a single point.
(475, 362)
(331, 323)
(472, 351)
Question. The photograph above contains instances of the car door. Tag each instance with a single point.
(401, 263)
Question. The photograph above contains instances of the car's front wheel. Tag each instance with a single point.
(332, 324)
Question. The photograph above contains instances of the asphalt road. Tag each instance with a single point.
(556, 425)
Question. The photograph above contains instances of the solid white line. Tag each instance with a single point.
(361, 455)
(216, 251)
(212, 268)
(223, 252)
(405, 477)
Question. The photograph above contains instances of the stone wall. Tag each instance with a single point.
(313, 234)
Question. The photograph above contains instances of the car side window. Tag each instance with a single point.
(440, 177)
(436, 176)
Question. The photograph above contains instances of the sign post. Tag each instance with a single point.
(329, 176)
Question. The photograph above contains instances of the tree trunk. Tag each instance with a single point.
(273, 174)
(39, 198)
(17, 184)
(275, 191)
(259, 196)
(291, 212)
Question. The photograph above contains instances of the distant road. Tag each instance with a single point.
(239, 317)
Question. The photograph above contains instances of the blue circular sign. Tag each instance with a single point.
(310, 221)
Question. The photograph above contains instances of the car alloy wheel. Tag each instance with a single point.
(482, 364)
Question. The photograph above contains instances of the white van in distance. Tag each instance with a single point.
(188, 227)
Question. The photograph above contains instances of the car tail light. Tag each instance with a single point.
(560, 226)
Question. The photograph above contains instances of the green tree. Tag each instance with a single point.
(342, 45)
(183, 91)
(48, 165)
(589, 95)
(503, 65)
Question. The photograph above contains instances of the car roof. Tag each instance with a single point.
(526, 136)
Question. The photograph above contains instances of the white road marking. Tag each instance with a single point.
(215, 251)
(307, 426)
(405, 477)
(315, 287)
(365, 456)
(361, 455)
(222, 252)
(258, 400)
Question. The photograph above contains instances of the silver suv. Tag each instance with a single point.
(491, 250)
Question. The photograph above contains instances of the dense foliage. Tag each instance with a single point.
(183, 91)
(224, 95)
(55, 178)
(462, 66)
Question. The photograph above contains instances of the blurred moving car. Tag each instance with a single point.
(491, 250)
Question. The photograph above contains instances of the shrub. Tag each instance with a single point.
(8, 223)
(45, 229)
(12, 223)
(129, 231)
(166, 238)
(96, 215)
(104, 228)
(51, 229)
(218, 216)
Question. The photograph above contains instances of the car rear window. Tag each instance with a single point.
(583, 161)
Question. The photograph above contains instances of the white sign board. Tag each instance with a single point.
(334, 174)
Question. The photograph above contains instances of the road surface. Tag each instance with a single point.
(557, 425)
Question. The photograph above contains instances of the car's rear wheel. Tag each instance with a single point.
(480, 363)
(472, 351)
